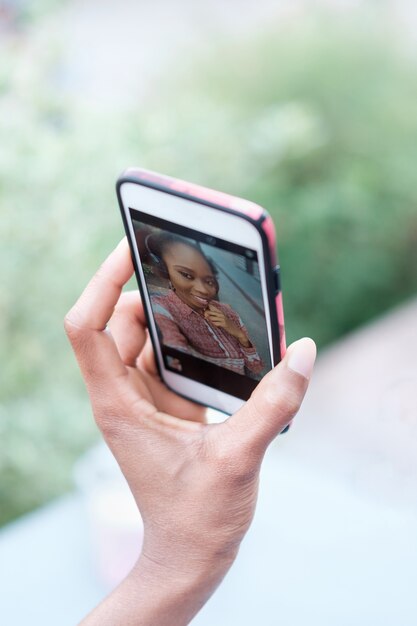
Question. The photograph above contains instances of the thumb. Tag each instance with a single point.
(276, 399)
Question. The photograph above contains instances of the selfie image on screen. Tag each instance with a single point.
(206, 299)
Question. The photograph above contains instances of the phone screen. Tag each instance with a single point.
(206, 299)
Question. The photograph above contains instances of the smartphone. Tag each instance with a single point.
(207, 272)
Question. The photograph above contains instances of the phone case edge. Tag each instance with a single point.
(221, 201)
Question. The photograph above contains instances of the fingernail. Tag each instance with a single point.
(301, 356)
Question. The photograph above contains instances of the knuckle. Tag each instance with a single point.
(142, 408)
(77, 336)
(225, 462)
(290, 403)
(286, 402)
(72, 329)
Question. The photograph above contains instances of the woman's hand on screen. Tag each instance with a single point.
(219, 319)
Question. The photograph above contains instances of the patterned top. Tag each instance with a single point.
(184, 329)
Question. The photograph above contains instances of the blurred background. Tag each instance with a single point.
(306, 107)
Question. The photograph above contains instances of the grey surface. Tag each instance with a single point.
(46, 573)
(318, 554)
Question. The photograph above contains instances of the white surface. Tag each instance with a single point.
(317, 554)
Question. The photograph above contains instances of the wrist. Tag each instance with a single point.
(243, 340)
(167, 595)
(157, 594)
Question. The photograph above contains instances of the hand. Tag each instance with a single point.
(195, 484)
(216, 317)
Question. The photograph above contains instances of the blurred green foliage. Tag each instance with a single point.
(59, 219)
(18, 14)
(316, 120)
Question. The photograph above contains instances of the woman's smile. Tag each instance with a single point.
(191, 276)
(200, 300)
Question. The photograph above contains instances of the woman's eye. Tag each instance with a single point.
(186, 275)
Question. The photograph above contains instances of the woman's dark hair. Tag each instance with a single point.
(158, 244)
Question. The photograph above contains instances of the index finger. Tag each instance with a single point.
(214, 316)
(86, 321)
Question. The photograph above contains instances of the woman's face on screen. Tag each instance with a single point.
(191, 275)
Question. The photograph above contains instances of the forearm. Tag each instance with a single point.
(154, 595)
